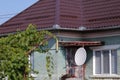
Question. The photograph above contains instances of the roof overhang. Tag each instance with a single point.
(80, 43)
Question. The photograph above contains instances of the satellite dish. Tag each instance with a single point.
(80, 56)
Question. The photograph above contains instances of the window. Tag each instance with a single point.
(32, 61)
(105, 61)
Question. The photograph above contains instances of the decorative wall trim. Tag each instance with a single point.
(106, 47)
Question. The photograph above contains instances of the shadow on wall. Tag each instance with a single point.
(89, 54)
(64, 77)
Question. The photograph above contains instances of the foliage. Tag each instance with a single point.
(49, 65)
(14, 51)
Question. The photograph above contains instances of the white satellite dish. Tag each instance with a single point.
(80, 56)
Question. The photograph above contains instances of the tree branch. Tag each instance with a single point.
(30, 51)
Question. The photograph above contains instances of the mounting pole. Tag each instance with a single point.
(57, 45)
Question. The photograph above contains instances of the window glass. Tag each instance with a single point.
(98, 62)
(114, 61)
(106, 62)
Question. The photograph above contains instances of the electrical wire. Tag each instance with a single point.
(8, 14)
(4, 16)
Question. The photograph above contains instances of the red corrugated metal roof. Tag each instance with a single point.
(91, 14)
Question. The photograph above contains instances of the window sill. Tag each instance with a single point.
(105, 76)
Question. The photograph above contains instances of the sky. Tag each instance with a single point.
(9, 8)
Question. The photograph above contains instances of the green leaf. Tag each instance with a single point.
(15, 48)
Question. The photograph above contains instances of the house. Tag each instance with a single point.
(92, 24)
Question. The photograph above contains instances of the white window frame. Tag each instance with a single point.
(31, 64)
(100, 48)
(31, 56)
